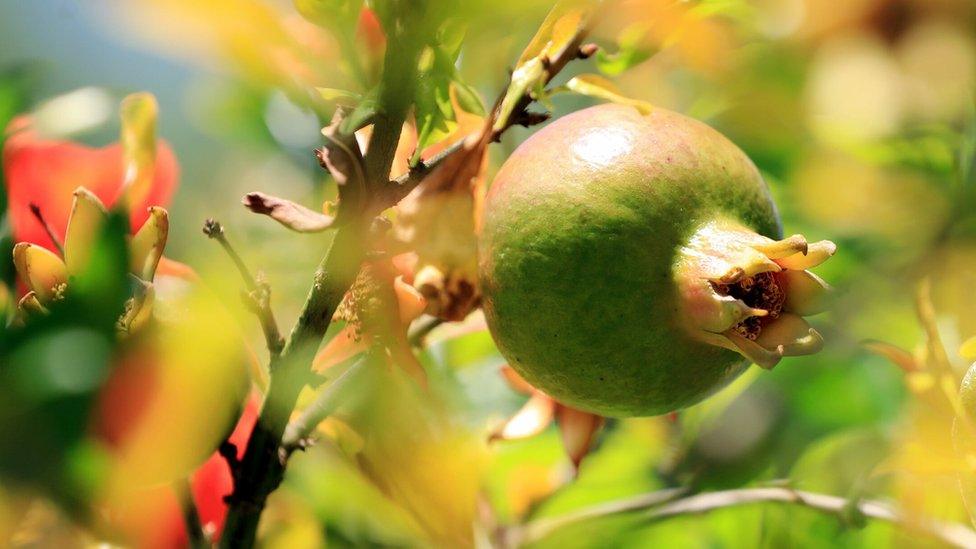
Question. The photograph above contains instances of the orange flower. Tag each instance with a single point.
(439, 219)
(378, 308)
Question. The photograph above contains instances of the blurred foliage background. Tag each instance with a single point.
(860, 114)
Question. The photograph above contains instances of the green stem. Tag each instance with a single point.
(191, 519)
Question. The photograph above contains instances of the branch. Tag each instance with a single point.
(663, 505)
(262, 468)
(421, 329)
(258, 297)
(300, 430)
(400, 187)
(541, 528)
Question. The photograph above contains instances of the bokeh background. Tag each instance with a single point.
(861, 116)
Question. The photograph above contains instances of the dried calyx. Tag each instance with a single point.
(749, 293)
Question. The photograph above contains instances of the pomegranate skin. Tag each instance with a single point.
(582, 227)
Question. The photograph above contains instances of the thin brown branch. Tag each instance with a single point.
(662, 505)
(258, 296)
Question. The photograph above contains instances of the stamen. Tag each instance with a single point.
(36, 210)
(761, 291)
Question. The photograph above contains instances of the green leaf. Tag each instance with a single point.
(631, 51)
(434, 124)
(341, 97)
(451, 37)
(557, 32)
(362, 114)
(468, 98)
(329, 13)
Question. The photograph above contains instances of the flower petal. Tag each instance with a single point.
(146, 247)
(790, 335)
(175, 269)
(806, 293)
(343, 346)
(578, 430)
(532, 419)
(87, 215)
(40, 269)
(759, 355)
(777, 249)
(719, 313)
(139, 112)
(411, 303)
(138, 308)
(817, 253)
(45, 172)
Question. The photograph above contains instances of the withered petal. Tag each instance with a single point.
(293, 216)
(790, 335)
(817, 253)
(777, 249)
(516, 381)
(578, 430)
(532, 419)
(806, 293)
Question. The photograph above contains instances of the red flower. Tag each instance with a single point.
(45, 172)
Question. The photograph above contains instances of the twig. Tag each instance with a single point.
(36, 211)
(191, 518)
(541, 528)
(661, 506)
(421, 329)
(258, 297)
(299, 431)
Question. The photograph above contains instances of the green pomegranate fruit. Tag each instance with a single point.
(633, 264)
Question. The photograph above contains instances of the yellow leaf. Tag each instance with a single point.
(596, 86)
(558, 30)
(968, 349)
